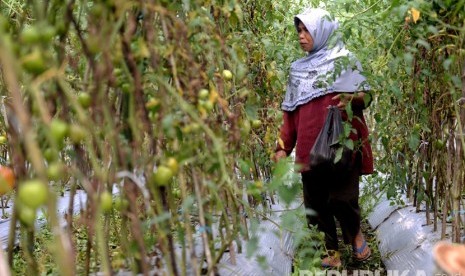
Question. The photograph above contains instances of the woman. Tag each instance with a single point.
(327, 75)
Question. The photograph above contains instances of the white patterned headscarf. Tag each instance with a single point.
(329, 67)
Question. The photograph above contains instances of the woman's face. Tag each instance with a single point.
(305, 39)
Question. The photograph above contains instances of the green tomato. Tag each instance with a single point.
(256, 123)
(208, 105)
(50, 154)
(118, 72)
(227, 75)
(176, 193)
(162, 176)
(245, 127)
(77, 133)
(241, 72)
(192, 127)
(203, 94)
(61, 28)
(3, 140)
(121, 204)
(55, 171)
(34, 62)
(270, 74)
(439, 144)
(84, 99)
(33, 193)
(47, 33)
(126, 87)
(106, 201)
(58, 129)
(173, 164)
(30, 35)
(27, 215)
(153, 104)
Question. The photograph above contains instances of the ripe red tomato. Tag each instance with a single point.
(7, 180)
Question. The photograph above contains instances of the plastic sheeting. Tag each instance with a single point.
(273, 255)
(62, 207)
(405, 242)
(275, 248)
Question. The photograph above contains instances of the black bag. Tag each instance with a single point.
(328, 144)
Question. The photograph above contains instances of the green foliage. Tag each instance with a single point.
(44, 246)
(285, 181)
(308, 244)
(114, 89)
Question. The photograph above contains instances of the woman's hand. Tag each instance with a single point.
(343, 99)
(279, 155)
(357, 99)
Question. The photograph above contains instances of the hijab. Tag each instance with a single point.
(329, 67)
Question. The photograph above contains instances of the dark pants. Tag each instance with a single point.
(333, 195)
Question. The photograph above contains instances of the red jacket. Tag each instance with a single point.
(302, 126)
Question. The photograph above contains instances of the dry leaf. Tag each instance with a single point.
(281, 142)
(415, 14)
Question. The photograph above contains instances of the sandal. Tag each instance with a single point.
(332, 260)
(357, 252)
